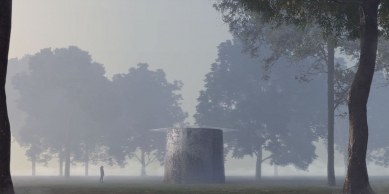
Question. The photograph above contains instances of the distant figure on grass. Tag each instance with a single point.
(101, 174)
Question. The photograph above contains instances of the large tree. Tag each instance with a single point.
(148, 102)
(68, 97)
(337, 18)
(6, 185)
(285, 41)
(277, 115)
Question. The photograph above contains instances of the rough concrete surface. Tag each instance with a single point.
(194, 155)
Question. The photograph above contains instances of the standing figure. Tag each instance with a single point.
(101, 174)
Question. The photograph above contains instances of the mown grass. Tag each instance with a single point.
(154, 185)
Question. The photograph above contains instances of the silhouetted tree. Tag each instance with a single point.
(296, 46)
(6, 185)
(35, 149)
(68, 96)
(148, 101)
(335, 19)
(277, 115)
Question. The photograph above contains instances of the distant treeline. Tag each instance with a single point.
(67, 109)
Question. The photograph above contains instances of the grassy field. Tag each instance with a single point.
(154, 185)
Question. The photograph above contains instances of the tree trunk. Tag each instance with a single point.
(143, 170)
(330, 121)
(33, 162)
(258, 166)
(6, 186)
(86, 161)
(67, 155)
(60, 163)
(357, 179)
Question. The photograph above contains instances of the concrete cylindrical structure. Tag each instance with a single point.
(194, 155)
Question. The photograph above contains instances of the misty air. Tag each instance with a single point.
(194, 96)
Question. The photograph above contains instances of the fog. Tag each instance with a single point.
(90, 79)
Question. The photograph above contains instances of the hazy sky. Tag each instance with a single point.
(178, 36)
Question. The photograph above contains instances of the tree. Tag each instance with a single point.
(310, 44)
(274, 115)
(285, 41)
(68, 97)
(6, 185)
(37, 148)
(337, 18)
(148, 101)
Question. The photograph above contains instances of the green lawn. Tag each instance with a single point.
(154, 185)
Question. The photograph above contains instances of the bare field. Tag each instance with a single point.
(154, 185)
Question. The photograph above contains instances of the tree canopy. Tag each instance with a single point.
(148, 101)
(363, 19)
(296, 46)
(276, 115)
(67, 99)
(336, 18)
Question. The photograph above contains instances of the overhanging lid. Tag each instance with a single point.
(194, 126)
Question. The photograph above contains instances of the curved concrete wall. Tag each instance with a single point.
(194, 155)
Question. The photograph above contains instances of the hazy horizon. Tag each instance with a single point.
(120, 34)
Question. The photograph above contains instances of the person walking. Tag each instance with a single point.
(101, 174)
